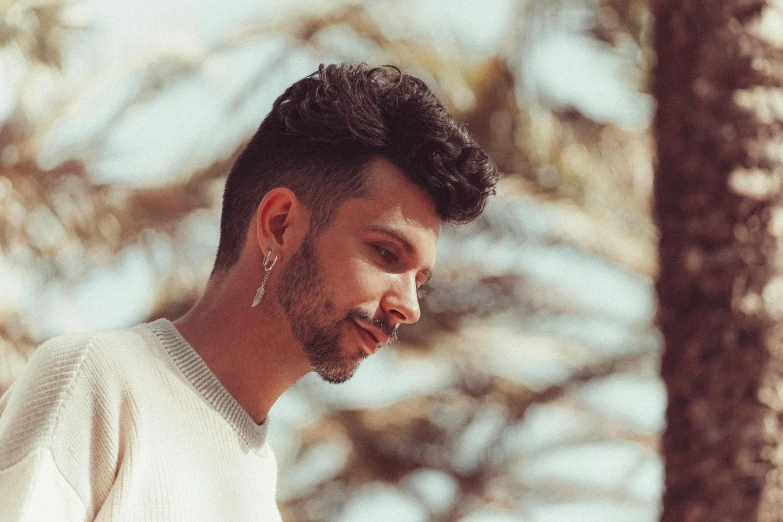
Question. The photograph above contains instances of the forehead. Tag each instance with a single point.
(391, 200)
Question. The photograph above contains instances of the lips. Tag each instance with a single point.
(372, 339)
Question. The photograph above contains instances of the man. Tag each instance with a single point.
(330, 220)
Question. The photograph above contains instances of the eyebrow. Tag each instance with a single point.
(406, 245)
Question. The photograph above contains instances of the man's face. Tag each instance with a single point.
(347, 290)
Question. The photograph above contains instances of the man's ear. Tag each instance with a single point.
(281, 221)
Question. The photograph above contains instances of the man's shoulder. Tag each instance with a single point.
(66, 381)
(81, 340)
(74, 399)
(102, 347)
(98, 360)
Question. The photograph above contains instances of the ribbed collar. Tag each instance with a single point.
(201, 377)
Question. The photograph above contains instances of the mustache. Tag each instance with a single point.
(381, 322)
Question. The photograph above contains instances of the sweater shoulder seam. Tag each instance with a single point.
(90, 344)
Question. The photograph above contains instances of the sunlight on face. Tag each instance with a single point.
(346, 290)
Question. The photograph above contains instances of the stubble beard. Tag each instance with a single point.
(302, 296)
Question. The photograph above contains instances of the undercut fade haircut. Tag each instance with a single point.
(325, 129)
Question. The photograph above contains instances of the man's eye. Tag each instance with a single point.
(386, 255)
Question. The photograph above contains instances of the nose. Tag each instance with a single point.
(402, 301)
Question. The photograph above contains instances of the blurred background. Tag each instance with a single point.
(528, 391)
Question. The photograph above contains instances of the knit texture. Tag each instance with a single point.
(129, 425)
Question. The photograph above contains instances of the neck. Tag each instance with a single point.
(250, 350)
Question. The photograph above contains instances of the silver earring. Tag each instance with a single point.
(269, 264)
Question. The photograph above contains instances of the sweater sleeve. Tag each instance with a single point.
(60, 433)
(34, 490)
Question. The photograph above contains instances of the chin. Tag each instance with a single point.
(336, 377)
(337, 372)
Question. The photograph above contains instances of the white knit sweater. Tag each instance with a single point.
(130, 425)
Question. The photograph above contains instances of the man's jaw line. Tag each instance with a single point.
(373, 333)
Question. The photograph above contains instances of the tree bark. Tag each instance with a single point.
(719, 209)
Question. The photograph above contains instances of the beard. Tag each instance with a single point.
(303, 298)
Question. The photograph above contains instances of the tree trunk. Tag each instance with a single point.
(719, 209)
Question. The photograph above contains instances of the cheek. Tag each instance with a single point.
(357, 282)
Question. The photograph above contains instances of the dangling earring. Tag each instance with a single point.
(269, 264)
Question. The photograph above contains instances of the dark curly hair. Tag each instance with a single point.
(325, 129)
